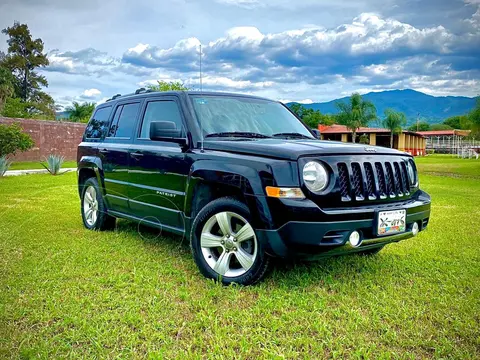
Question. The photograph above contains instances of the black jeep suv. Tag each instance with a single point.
(243, 179)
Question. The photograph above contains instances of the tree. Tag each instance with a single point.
(15, 108)
(310, 116)
(474, 119)
(168, 86)
(7, 87)
(24, 56)
(316, 118)
(456, 122)
(422, 126)
(356, 113)
(13, 139)
(394, 121)
(80, 112)
(437, 127)
(300, 110)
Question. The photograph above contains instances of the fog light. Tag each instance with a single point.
(415, 229)
(354, 239)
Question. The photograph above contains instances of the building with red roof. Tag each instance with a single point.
(408, 141)
(446, 141)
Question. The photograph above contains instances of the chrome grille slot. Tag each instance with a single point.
(370, 181)
(398, 179)
(343, 180)
(357, 182)
(389, 180)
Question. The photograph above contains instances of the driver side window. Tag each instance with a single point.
(161, 110)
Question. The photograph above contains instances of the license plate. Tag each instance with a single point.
(391, 222)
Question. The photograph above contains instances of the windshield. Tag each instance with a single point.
(223, 114)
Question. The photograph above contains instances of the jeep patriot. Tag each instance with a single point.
(244, 180)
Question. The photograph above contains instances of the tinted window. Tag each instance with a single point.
(98, 125)
(160, 111)
(124, 120)
(113, 126)
(238, 114)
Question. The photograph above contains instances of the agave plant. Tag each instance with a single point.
(54, 163)
(4, 165)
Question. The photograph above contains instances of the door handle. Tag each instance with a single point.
(103, 151)
(136, 155)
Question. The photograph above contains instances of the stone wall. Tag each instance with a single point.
(50, 137)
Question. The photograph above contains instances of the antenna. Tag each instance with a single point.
(200, 67)
(199, 119)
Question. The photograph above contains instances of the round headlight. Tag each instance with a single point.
(315, 176)
(411, 174)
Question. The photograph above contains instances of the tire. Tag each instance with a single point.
(370, 252)
(91, 199)
(224, 244)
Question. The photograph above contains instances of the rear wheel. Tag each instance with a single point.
(225, 246)
(94, 211)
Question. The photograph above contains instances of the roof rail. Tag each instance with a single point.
(143, 90)
(114, 97)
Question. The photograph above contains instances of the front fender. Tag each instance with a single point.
(245, 179)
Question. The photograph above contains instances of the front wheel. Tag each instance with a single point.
(225, 246)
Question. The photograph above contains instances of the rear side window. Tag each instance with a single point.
(163, 110)
(98, 125)
(124, 120)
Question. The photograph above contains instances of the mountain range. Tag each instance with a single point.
(432, 109)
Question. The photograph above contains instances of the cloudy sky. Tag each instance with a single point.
(308, 50)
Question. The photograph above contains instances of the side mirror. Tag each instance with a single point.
(166, 131)
(316, 133)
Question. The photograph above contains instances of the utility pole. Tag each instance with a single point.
(418, 118)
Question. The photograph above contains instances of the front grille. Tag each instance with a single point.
(372, 180)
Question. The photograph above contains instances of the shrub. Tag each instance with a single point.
(13, 139)
(430, 151)
(4, 165)
(364, 139)
(54, 163)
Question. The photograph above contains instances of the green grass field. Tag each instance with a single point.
(446, 165)
(30, 165)
(68, 292)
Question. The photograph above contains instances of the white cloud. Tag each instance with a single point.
(364, 51)
(91, 93)
(227, 83)
(304, 101)
(248, 4)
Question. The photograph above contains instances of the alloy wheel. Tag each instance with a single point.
(90, 205)
(228, 243)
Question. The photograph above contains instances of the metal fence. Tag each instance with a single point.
(453, 144)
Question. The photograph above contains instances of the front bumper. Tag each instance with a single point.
(329, 235)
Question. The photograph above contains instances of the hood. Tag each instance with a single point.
(294, 149)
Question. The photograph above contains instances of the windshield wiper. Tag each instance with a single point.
(292, 135)
(238, 134)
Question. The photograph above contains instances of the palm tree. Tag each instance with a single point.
(394, 120)
(356, 113)
(80, 112)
